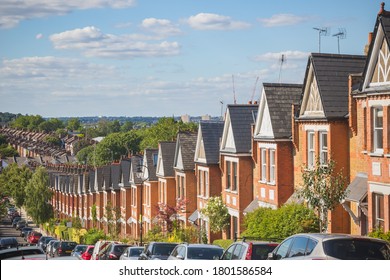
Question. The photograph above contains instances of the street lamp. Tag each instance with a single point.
(140, 173)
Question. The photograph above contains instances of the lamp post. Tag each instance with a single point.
(141, 175)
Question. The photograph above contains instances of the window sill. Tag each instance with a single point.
(387, 155)
(271, 183)
(376, 154)
(230, 191)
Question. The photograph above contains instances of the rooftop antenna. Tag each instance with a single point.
(282, 60)
(254, 90)
(324, 31)
(342, 34)
(221, 101)
(234, 91)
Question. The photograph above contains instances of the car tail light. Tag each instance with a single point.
(112, 256)
(59, 250)
(249, 252)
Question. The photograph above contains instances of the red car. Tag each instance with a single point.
(33, 237)
(88, 253)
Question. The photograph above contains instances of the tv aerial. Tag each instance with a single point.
(282, 60)
(342, 34)
(322, 31)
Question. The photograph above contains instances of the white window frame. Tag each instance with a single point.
(310, 149)
(263, 175)
(272, 166)
(206, 184)
(323, 148)
(377, 129)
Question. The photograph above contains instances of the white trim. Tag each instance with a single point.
(379, 188)
(203, 168)
(314, 127)
(180, 173)
(232, 159)
(267, 145)
(384, 103)
(233, 212)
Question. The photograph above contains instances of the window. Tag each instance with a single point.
(272, 166)
(206, 183)
(310, 149)
(323, 148)
(263, 165)
(378, 129)
(200, 184)
(228, 175)
(379, 210)
(234, 187)
(298, 248)
(282, 251)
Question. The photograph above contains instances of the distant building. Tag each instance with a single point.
(185, 118)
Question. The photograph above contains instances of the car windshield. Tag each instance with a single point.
(135, 252)
(356, 249)
(163, 249)
(204, 253)
(260, 251)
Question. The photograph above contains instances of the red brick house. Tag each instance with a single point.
(320, 126)
(184, 167)
(207, 172)
(273, 178)
(237, 164)
(125, 193)
(368, 201)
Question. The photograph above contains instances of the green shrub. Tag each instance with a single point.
(93, 235)
(224, 243)
(379, 233)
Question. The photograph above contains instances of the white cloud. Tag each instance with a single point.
(12, 12)
(162, 27)
(91, 41)
(282, 20)
(207, 21)
(289, 55)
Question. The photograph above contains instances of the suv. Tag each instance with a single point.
(64, 248)
(157, 251)
(322, 246)
(249, 250)
(196, 252)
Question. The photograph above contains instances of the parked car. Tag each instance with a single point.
(42, 242)
(157, 251)
(196, 252)
(322, 246)
(21, 224)
(132, 253)
(100, 248)
(53, 247)
(249, 250)
(24, 231)
(8, 242)
(88, 253)
(64, 248)
(23, 253)
(27, 234)
(15, 220)
(114, 251)
(49, 246)
(78, 250)
(34, 237)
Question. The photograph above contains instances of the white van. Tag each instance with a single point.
(100, 247)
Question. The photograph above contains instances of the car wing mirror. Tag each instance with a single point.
(271, 256)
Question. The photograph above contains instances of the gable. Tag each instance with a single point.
(179, 159)
(200, 154)
(229, 144)
(312, 103)
(263, 122)
(160, 165)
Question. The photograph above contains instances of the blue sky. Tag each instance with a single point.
(163, 57)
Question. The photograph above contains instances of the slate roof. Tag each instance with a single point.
(331, 72)
(211, 135)
(280, 98)
(242, 116)
(115, 175)
(167, 150)
(125, 173)
(151, 163)
(186, 142)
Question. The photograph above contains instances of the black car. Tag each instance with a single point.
(64, 248)
(8, 242)
(25, 231)
(114, 251)
(157, 251)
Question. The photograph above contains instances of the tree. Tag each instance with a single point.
(13, 180)
(73, 124)
(38, 197)
(217, 213)
(323, 190)
(269, 224)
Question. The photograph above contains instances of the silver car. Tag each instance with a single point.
(322, 246)
(131, 253)
(196, 252)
